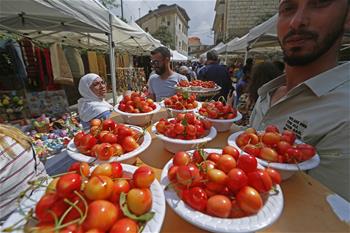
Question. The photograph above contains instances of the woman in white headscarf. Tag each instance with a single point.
(92, 105)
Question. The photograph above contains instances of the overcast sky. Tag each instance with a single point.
(201, 13)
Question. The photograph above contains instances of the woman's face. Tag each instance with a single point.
(99, 88)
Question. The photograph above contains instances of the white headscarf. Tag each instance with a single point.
(90, 106)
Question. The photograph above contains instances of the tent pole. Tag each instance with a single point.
(246, 55)
(112, 60)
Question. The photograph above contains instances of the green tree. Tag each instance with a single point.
(109, 3)
(164, 36)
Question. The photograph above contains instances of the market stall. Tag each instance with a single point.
(305, 207)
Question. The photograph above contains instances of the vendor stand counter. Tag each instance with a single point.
(305, 206)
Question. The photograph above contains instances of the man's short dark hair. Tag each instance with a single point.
(212, 55)
(162, 50)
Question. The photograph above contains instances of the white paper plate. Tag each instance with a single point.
(137, 118)
(181, 110)
(137, 114)
(75, 154)
(222, 125)
(173, 144)
(154, 225)
(270, 212)
(305, 165)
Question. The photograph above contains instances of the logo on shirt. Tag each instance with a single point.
(298, 127)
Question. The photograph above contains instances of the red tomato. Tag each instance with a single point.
(260, 180)
(236, 211)
(109, 138)
(268, 154)
(197, 157)
(117, 170)
(236, 179)
(272, 128)
(78, 137)
(231, 151)
(129, 144)
(271, 138)
(119, 186)
(219, 206)
(252, 150)
(188, 175)
(125, 225)
(196, 197)
(67, 184)
(274, 175)
(108, 124)
(98, 188)
(247, 163)
(50, 203)
(95, 122)
(307, 151)
(81, 168)
(101, 215)
(249, 200)
(181, 158)
(143, 177)
(226, 163)
(139, 201)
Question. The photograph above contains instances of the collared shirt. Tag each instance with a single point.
(163, 88)
(318, 111)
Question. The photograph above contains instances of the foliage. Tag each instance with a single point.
(109, 3)
(164, 36)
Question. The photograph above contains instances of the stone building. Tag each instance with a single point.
(195, 46)
(234, 18)
(174, 18)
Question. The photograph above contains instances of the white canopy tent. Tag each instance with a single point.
(216, 48)
(262, 35)
(31, 17)
(176, 56)
(81, 23)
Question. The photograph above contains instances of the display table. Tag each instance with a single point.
(305, 205)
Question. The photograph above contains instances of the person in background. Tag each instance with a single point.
(242, 83)
(187, 71)
(261, 74)
(92, 105)
(213, 71)
(18, 166)
(162, 83)
(201, 64)
(312, 97)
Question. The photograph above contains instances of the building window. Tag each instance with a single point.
(179, 27)
(168, 23)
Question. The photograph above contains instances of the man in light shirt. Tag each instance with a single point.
(162, 83)
(312, 98)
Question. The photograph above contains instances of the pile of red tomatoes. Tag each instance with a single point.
(273, 146)
(225, 184)
(181, 101)
(184, 126)
(107, 199)
(136, 103)
(217, 110)
(106, 139)
(197, 83)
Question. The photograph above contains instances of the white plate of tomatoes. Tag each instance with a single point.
(175, 144)
(74, 153)
(28, 204)
(141, 118)
(267, 215)
(289, 168)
